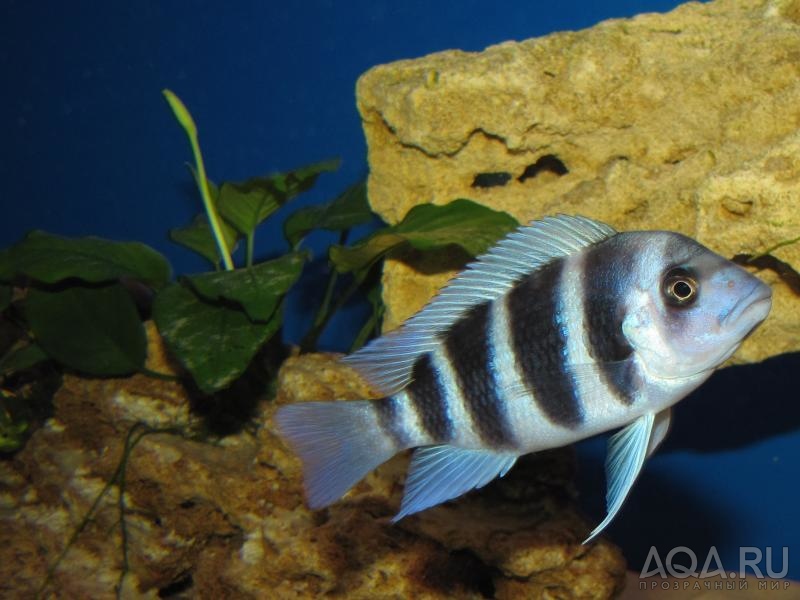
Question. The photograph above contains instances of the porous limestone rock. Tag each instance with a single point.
(686, 121)
(227, 519)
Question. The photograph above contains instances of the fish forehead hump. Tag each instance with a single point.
(635, 260)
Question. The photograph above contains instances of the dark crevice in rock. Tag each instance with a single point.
(458, 570)
(434, 154)
(487, 180)
(177, 588)
(233, 409)
(549, 163)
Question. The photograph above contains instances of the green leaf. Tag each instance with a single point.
(463, 223)
(22, 356)
(290, 184)
(198, 237)
(92, 330)
(257, 289)
(248, 203)
(349, 209)
(214, 342)
(51, 258)
(361, 256)
(5, 295)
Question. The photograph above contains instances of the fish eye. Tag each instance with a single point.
(679, 288)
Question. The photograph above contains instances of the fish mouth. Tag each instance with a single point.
(752, 309)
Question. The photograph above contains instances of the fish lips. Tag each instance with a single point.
(751, 309)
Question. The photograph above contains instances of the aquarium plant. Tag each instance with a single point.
(79, 304)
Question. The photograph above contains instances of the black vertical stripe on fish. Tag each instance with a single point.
(467, 347)
(390, 421)
(677, 252)
(607, 271)
(429, 399)
(540, 344)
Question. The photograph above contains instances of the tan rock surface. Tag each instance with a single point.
(227, 520)
(686, 121)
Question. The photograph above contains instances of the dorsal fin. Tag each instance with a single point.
(387, 361)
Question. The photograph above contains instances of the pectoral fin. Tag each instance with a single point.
(660, 430)
(627, 450)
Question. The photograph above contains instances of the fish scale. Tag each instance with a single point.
(604, 314)
(563, 330)
(540, 345)
(391, 423)
(469, 350)
(429, 399)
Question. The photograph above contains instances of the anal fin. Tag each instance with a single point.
(441, 473)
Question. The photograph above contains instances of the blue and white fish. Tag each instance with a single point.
(563, 330)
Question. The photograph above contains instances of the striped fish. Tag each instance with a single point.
(563, 330)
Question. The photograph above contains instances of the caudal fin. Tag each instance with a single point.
(338, 442)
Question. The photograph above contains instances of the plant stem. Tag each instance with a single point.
(118, 477)
(187, 122)
(157, 375)
(369, 327)
(774, 247)
(251, 238)
(309, 341)
(324, 308)
(130, 444)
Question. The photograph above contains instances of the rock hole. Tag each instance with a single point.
(177, 587)
(549, 163)
(187, 504)
(460, 573)
(476, 574)
(487, 180)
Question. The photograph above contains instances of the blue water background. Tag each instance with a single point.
(89, 147)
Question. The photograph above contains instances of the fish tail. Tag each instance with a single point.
(338, 442)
